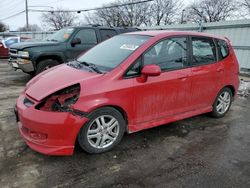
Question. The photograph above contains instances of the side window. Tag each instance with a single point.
(87, 36)
(135, 69)
(222, 48)
(204, 51)
(168, 54)
(107, 33)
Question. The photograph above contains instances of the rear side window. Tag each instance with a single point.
(204, 51)
(107, 33)
(87, 36)
(223, 49)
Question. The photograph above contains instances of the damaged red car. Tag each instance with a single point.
(128, 83)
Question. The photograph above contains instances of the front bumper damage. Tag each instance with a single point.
(51, 133)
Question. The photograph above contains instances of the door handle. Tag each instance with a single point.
(220, 69)
(183, 78)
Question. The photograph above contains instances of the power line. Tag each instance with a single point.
(16, 14)
(91, 9)
(11, 7)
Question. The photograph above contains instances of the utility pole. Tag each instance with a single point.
(27, 15)
(182, 16)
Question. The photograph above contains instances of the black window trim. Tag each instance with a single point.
(125, 76)
(220, 57)
(84, 29)
(189, 63)
(150, 47)
(191, 50)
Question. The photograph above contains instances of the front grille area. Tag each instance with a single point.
(13, 54)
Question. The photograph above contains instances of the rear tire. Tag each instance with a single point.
(46, 64)
(103, 131)
(222, 103)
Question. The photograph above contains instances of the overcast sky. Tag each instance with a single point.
(11, 7)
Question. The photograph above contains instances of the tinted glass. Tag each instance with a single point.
(107, 33)
(61, 35)
(223, 48)
(168, 54)
(112, 52)
(87, 36)
(204, 51)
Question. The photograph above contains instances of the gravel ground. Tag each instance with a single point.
(196, 152)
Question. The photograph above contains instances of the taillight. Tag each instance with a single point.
(62, 100)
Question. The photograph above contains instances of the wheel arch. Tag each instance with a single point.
(231, 87)
(43, 57)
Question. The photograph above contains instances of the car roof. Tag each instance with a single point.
(166, 33)
(103, 27)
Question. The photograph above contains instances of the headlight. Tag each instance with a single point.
(62, 100)
(23, 54)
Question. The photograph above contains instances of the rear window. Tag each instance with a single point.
(222, 48)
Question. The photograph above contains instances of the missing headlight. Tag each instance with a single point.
(62, 101)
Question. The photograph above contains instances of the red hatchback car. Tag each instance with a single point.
(128, 83)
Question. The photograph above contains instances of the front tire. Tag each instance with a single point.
(222, 103)
(46, 64)
(103, 131)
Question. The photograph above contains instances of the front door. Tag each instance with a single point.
(167, 94)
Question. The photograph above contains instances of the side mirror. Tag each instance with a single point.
(75, 41)
(151, 70)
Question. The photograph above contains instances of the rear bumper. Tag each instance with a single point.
(51, 133)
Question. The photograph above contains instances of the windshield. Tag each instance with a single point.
(61, 35)
(110, 53)
(10, 41)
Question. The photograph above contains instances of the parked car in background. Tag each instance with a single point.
(5, 44)
(62, 46)
(128, 83)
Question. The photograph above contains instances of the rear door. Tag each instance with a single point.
(207, 72)
(88, 40)
(107, 33)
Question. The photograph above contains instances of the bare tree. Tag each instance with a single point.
(211, 10)
(246, 5)
(3, 27)
(129, 15)
(32, 27)
(58, 19)
(165, 11)
(150, 13)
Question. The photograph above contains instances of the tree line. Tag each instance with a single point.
(157, 12)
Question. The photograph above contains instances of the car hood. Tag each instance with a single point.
(54, 79)
(23, 45)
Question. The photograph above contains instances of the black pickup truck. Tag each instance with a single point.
(62, 46)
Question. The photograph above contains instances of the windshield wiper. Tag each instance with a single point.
(91, 66)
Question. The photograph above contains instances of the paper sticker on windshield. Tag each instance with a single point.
(129, 47)
(65, 35)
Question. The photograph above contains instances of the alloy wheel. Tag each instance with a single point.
(223, 102)
(103, 131)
